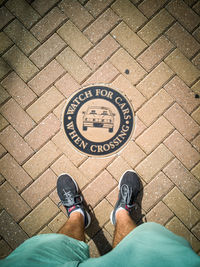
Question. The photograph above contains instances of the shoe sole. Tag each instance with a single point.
(111, 214)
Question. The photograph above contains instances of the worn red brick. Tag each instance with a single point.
(91, 168)
(48, 24)
(139, 128)
(5, 42)
(149, 7)
(184, 41)
(182, 149)
(21, 37)
(152, 164)
(155, 53)
(38, 190)
(18, 89)
(155, 80)
(45, 104)
(154, 135)
(96, 56)
(3, 94)
(5, 16)
(182, 121)
(124, 85)
(185, 15)
(46, 77)
(19, 63)
(97, 7)
(196, 143)
(17, 117)
(42, 7)
(155, 190)
(67, 85)
(129, 13)
(189, 73)
(105, 74)
(11, 231)
(152, 109)
(15, 145)
(182, 94)
(182, 178)
(133, 154)
(101, 26)
(5, 249)
(73, 64)
(156, 26)
(3, 123)
(47, 51)
(12, 202)
(14, 173)
(44, 212)
(159, 214)
(128, 39)
(60, 141)
(76, 12)
(99, 188)
(43, 132)
(40, 161)
(74, 38)
(29, 17)
(182, 207)
(123, 61)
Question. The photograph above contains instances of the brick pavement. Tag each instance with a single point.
(48, 50)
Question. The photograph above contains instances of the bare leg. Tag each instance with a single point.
(124, 225)
(74, 227)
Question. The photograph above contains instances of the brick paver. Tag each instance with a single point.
(147, 49)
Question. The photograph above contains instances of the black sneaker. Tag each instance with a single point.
(70, 197)
(129, 187)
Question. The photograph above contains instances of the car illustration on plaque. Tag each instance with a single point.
(98, 117)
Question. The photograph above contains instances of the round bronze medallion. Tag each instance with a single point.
(98, 120)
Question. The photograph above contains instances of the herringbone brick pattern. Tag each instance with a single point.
(48, 50)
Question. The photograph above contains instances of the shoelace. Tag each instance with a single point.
(126, 193)
(71, 201)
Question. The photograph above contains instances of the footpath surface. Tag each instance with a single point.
(48, 50)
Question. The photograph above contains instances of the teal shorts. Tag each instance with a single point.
(149, 244)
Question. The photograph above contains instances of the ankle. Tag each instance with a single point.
(121, 214)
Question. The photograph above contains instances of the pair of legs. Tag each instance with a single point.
(74, 227)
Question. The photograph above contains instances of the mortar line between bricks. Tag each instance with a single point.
(155, 13)
(104, 35)
(189, 229)
(189, 199)
(160, 115)
(8, 48)
(51, 33)
(53, 58)
(196, 135)
(95, 176)
(93, 71)
(193, 167)
(49, 139)
(160, 198)
(48, 166)
(46, 224)
(55, 5)
(41, 200)
(102, 11)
